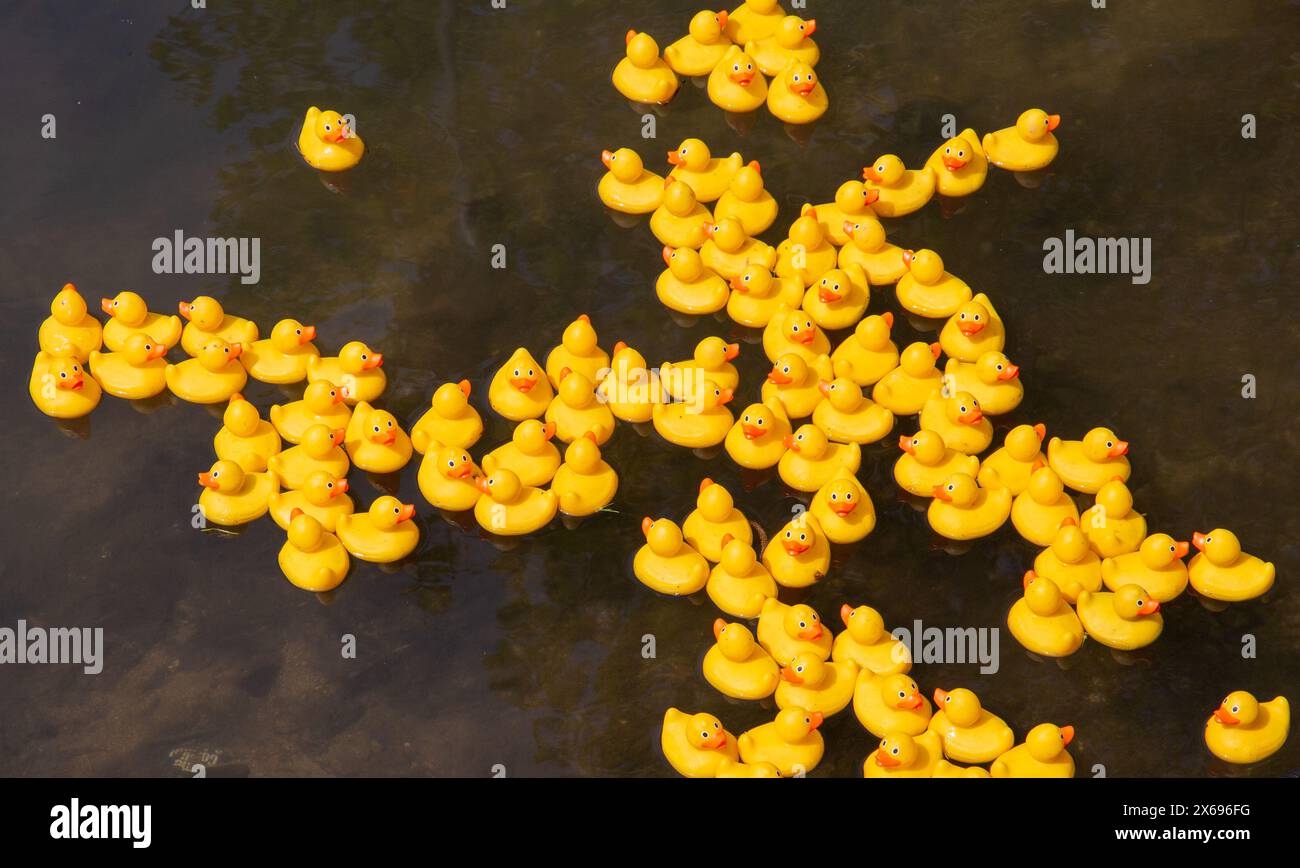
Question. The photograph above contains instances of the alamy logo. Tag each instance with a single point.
(1083, 255)
(75, 820)
(181, 255)
(81, 645)
(952, 645)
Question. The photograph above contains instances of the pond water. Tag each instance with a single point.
(484, 127)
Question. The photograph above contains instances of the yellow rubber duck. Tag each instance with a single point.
(792, 40)
(312, 558)
(715, 518)
(696, 744)
(1070, 562)
(793, 331)
(630, 389)
(702, 47)
(680, 220)
(137, 372)
(1112, 525)
(843, 509)
(729, 769)
(629, 186)
(962, 510)
(60, 388)
(907, 388)
(576, 410)
(927, 462)
(211, 377)
(849, 416)
(70, 330)
(329, 142)
(748, 201)
(735, 84)
(737, 665)
(993, 380)
(865, 246)
(688, 286)
(357, 369)
(754, 20)
(711, 360)
(959, 165)
(785, 632)
(1127, 619)
(791, 742)
(794, 383)
(970, 733)
(798, 554)
(324, 497)
(929, 291)
(1011, 465)
(511, 508)
(708, 176)
(584, 483)
(810, 683)
(839, 299)
(519, 389)
(283, 357)
(852, 207)
(805, 253)
(796, 95)
(1157, 566)
(900, 755)
(866, 642)
(1042, 755)
(375, 442)
(667, 563)
(958, 418)
(890, 703)
(642, 75)
(1244, 730)
(1043, 621)
(868, 354)
(448, 478)
(1088, 464)
(321, 404)
(382, 534)
(450, 420)
(729, 251)
(1026, 147)
(699, 423)
(811, 460)
(1222, 571)
(1037, 512)
(902, 190)
(207, 319)
(945, 769)
(321, 448)
(232, 497)
(530, 454)
(757, 440)
(739, 585)
(245, 437)
(975, 329)
(128, 315)
(757, 295)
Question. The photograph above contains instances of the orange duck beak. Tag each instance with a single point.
(940, 696)
(106, 305)
(726, 396)
(775, 376)
(1053, 121)
(1120, 448)
(646, 523)
(1028, 577)
(462, 471)
(338, 434)
(548, 430)
(804, 88)
(607, 157)
(718, 625)
(1151, 607)
(733, 350)
(789, 443)
(793, 548)
(408, 511)
(236, 350)
(970, 329)
(846, 611)
(844, 507)
(824, 387)
(817, 718)
(871, 197)
(942, 493)
(787, 674)
(721, 18)
(1181, 548)
(1198, 540)
(376, 360)
(1067, 735)
(870, 174)
(340, 487)
(464, 387)
(885, 761)
(157, 352)
(186, 309)
(847, 226)
(1041, 430)
(384, 438)
(675, 159)
(971, 416)
(1010, 372)
(523, 384)
(808, 335)
(952, 163)
(741, 78)
(809, 27)
(912, 701)
(905, 443)
(1223, 716)
(668, 255)
(308, 334)
(812, 634)
(827, 295)
(206, 480)
(751, 432)
(737, 284)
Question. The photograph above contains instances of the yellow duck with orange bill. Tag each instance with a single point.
(1042, 755)
(696, 745)
(357, 369)
(211, 377)
(60, 388)
(1026, 147)
(450, 420)
(207, 319)
(382, 534)
(1244, 730)
(959, 165)
(642, 75)
(70, 330)
(328, 141)
(530, 454)
(1222, 571)
(245, 437)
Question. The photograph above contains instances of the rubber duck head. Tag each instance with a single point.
(576, 390)
(865, 625)
(925, 265)
(451, 399)
(972, 318)
(1115, 499)
(381, 428)
(843, 494)
(126, 307)
(728, 234)
(756, 421)
(579, 336)
(844, 395)
(927, 447)
(204, 311)
(356, 357)
(1046, 741)
(917, 359)
(799, 78)
(714, 502)
(713, 396)
(714, 352)
(1101, 444)
(1045, 486)
(789, 369)
(455, 463)
(501, 485)
(755, 280)
(747, 184)
(1070, 545)
(1035, 123)
(793, 30)
(321, 395)
(809, 441)
(873, 332)
(734, 640)
(139, 348)
(321, 487)
(738, 557)
(763, 7)
(994, 367)
(241, 417)
(692, 155)
(706, 27)
(531, 436)
(806, 670)
(1042, 595)
(963, 409)
(886, 171)
(705, 732)
(799, 328)
(625, 164)
(1132, 602)
(1160, 550)
(662, 535)
(900, 692)
(897, 750)
(68, 307)
(956, 154)
(642, 50)
(1238, 708)
(67, 373)
(288, 334)
(795, 724)
(1220, 546)
(961, 706)
(583, 454)
(739, 67)
(225, 476)
(1024, 442)
(867, 235)
(522, 370)
(802, 622)
(388, 512)
(306, 533)
(806, 230)
(626, 360)
(216, 354)
(333, 127)
(320, 440)
(833, 286)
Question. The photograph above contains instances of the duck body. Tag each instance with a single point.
(890, 703)
(1070, 562)
(840, 220)
(796, 96)
(1243, 730)
(1086, 465)
(233, 505)
(321, 404)
(70, 330)
(642, 76)
(807, 469)
(282, 357)
(696, 424)
(754, 20)
(1026, 147)
(575, 410)
(736, 85)
(843, 509)
(584, 483)
(450, 419)
(702, 48)
(799, 554)
(839, 299)
(520, 389)
(1043, 621)
(325, 499)
(207, 320)
(980, 737)
(447, 478)
(900, 190)
(739, 585)
(1125, 621)
(382, 534)
(704, 292)
(830, 694)
(629, 388)
(905, 390)
(1222, 571)
(975, 329)
(205, 379)
(327, 141)
(628, 186)
(1164, 581)
(356, 368)
(690, 755)
(959, 420)
(791, 742)
(375, 442)
(245, 437)
(883, 264)
(785, 632)
(748, 201)
(866, 642)
(60, 388)
(738, 666)
(312, 558)
(791, 40)
(959, 165)
(924, 756)
(1042, 755)
(929, 291)
(681, 221)
(128, 315)
(667, 563)
(848, 416)
(730, 261)
(321, 449)
(707, 176)
(993, 380)
(1011, 465)
(510, 508)
(793, 383)
(927, 462)
(981, 517)
(757, 440)
(715, 518)
(1039, 511)
(711, 361)
(749, 308)
(136, 373)
(868, 354)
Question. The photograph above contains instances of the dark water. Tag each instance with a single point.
(484, 127)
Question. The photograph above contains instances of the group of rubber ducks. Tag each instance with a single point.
(738, 51)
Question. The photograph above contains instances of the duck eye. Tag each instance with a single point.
(746, 278)
(1139, 602)
(948, 150)
(376, 429)
(297, 331)
(63, 375)
(951, 487)
(803, 624)
(396, 511)
(451, 463)
(1110, 444)
(976, 317)
(1236, 708)
(530, 372)
(328, 128)
(848, 495)
(961, 153)
(999, 366)
(894, 751)
(835, 497)
(902, 694)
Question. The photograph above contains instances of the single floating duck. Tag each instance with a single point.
(1127, 619)
(843, 509)
(793, 331)
(382, 534)
(1011, 465)
(207, 320)
(450, 420)
(993, 380)
(1043, 755)
(137, 372)
(739, 585)
(584, 483)
(866, 642)
(962, 510)
(630, 389)
(232, 497)
(59, 387)
(811, 460)
(70, 330)
(1112, 525)
(748, 201)
(284, 356)
(642, 76)
(798, 554)
(667, 563)
(890, 703)
(796, 95)
(245, 437)
(576, 410)
(729, 251)
(791, 742)
(810, 683)
(868, 354)
(788, 631)
(1038, 511)
(511, 508)
(324, 497)
(959, 165)
(757, 294)
(907, 388)
(792, 40)
(357, 369)
(849, 416)
(865, 246)
(1070, 562)
(900, 755)
(688, 286)
(795, 384)
(519, 390)
(970, 733)
(530, 454)
(211, 377)
(901, 190)
(629, 187)
(852, 206)
(735, 84)
(1244, 730)
(1222, 571)
(1157, 566)
(959, 420)
(1088, 464)
(702, 47)
(375, 442)
(757, 440)
(696, 745)
(128, 315)
(708, 176)
(697, 424)
(448, 478)
(754, 20)
(715, 518)
(805, 253)
(1026, 147)
(929, 291)
(321, 404)
(321, 448)
(680, 220)
(312, 558)
(328, 142)
(711, 360)
(1043, 621)
(975, 329)
(927, 462)
(839, 299)
(737, 666)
